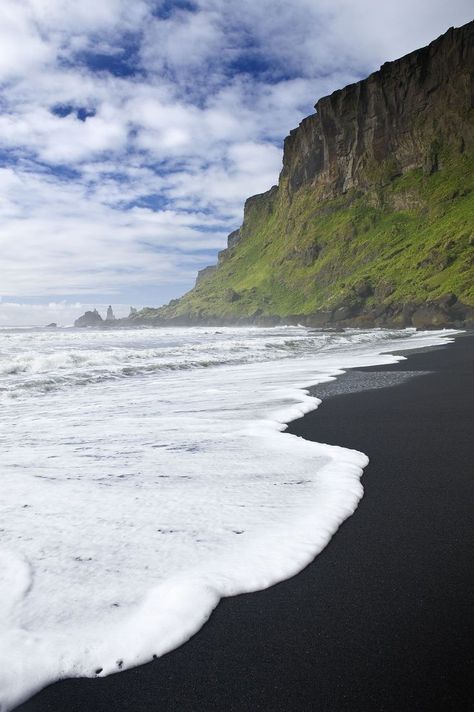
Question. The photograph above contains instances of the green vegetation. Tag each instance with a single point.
(408, 239)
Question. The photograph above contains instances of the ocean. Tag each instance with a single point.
(145, 474)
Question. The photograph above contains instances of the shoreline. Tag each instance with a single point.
(343, 634)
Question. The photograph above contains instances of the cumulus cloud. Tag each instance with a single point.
(74, 243)
(131, 133)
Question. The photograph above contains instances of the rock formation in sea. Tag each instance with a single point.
(372, 221)
(110, 314)
(89, 318)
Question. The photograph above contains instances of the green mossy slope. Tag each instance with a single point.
(409, 241)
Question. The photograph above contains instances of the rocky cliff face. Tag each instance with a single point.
(373, 218)
(390, 123)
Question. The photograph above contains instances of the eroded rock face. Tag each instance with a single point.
(445, 312)
(234, 239)
(387, 124)
(89, 318)
(232, 296)
(205, 273)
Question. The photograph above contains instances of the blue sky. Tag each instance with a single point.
(132, 132)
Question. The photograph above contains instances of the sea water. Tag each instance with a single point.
(145, 474)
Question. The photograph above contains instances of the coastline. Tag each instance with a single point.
(379, 620)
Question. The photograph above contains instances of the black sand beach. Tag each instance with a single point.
(382, 620)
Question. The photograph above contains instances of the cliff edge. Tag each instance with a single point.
(372, 221)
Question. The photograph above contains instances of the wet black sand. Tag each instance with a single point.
(382, 620)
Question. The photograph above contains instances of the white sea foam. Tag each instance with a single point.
(145, 474)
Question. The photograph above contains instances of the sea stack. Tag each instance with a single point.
(90, 318)
(110, 314)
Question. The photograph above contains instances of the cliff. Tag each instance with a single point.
(372, 222)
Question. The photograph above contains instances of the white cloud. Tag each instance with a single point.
(60, 240)
(63, 140)
(22, 49)
(85, 16)
(184, 42)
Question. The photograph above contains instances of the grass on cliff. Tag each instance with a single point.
(408, 240)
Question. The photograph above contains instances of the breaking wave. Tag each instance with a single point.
(146, 474)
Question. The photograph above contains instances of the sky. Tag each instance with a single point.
(131, 133)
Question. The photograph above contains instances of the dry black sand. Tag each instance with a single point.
(382, 620)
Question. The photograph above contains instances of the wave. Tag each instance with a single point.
(36, 362)
(188, 488)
